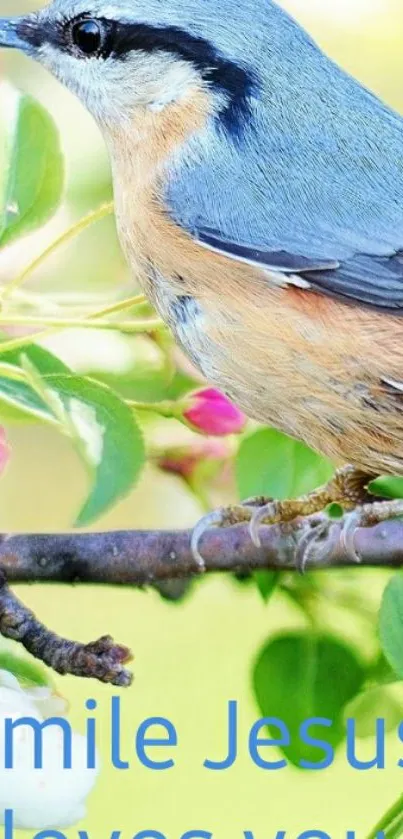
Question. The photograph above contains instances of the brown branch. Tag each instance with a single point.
(143, 557)
(102, 659)
(140, 558)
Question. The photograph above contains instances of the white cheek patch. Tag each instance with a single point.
(113, 88)
(161, 103)
(172, 81)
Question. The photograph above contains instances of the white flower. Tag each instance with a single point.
(52, 796)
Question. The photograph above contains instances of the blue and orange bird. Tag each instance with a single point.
(259, 199)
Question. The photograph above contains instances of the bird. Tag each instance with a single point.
(258, 190)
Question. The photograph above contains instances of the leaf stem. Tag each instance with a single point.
(390, 820)
(140, 325)
(395, 830)
(166, 408)
(73, 231)
(25, 340)
(120, 306)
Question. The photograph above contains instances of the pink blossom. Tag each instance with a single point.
(183, 460)
(211, 412)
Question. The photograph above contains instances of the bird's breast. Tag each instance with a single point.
(309, 365)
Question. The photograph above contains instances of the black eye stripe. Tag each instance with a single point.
(236, 82)
(120, 39)
(60, 34)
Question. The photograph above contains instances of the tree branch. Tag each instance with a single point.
(141, 558)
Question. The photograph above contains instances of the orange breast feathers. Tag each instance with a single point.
(318, 368)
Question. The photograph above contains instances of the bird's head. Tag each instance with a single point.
(122, 55)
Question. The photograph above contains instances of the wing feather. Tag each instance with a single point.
(374, 280)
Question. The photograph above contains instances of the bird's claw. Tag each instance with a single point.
(308, 541)
(214, 519)
(222, 517)
(259, 516)
(318, 531)
(347, 535)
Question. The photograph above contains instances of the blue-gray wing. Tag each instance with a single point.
(314, 185)
(374, 280)
(278, 261)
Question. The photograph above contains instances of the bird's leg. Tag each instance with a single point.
(347, 488)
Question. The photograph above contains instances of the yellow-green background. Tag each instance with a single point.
(190, 659)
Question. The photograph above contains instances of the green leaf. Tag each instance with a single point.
(270, 463)
(391, 624)
(18, 401)
(381, 702)
(106, 436)
(43, 360)
(17, 394)
(102, 427)
(27, 672)
(387, 487)
(31, 165)
(266, 582)
(173, 591)
(301, 675)
(381, 673)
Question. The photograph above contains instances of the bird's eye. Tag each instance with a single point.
(88, 36)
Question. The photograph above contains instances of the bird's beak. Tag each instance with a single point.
(12, 33)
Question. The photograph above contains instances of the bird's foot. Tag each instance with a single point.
(347, 488)
(222, 517)
(367, 516)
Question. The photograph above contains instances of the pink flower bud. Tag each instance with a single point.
(184, 460)
(211, 412)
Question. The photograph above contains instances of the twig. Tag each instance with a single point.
(102, 659)
(140, 558)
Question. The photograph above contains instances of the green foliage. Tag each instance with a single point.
(391, 624)
(27, 671)
(380, 702)
(18, 401)
(302, 675)
(31, 165)
(104, 431)
(106, 435)
(44, 361)
(266, 582)
(270, 463)
(387, 487)
(16, 394)
(101, 426)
